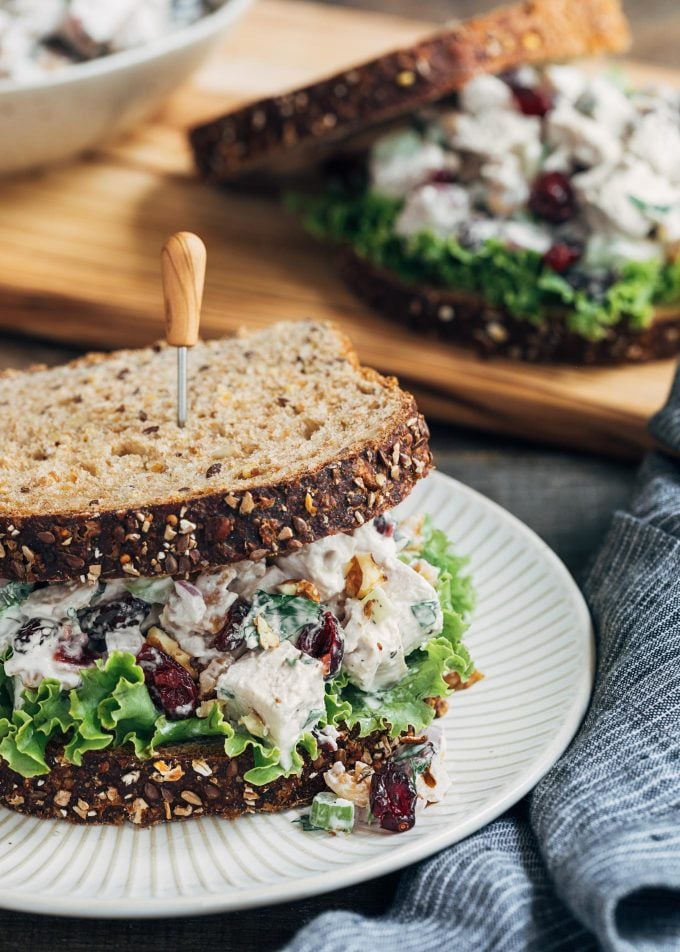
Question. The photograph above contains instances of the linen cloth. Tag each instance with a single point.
(592, 859)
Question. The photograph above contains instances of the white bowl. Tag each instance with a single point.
(56, 116)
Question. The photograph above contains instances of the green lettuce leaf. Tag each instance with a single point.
(513, 279)
(338, 708)
(25, 735)
(267, 758)
(23, 746)
(112, 706)
(130, 714)
(404, 705)
(191, 728)
(455, 587)
(111, 694)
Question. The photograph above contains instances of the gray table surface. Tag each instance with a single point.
(567, 499)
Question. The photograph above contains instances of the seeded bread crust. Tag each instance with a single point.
(183, 781)
(466, 319)
(283, 129)
(193, 534)
(190, 532)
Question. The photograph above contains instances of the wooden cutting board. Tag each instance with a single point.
(79, 250)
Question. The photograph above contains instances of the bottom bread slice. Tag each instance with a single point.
(466, 319)
(182, 781)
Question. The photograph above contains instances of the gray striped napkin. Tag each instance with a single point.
(592, 861)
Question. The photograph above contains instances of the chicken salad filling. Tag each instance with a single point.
(541, 189)
(41, 36)
(359, 631)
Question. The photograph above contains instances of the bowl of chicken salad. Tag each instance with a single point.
(74, 73)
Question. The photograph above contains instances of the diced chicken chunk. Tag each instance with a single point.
(279, 693)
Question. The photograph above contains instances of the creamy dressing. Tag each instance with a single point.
(468, 172)
(57, 601)
(195, 611)
(35, 660)
(374, 653)
(10, 622)
(125, 639)
(432, 788)
(400, 163)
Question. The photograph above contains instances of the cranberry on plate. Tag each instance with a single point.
(393, 797)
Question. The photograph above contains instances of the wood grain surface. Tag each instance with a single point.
(183, 274)
(79, 251)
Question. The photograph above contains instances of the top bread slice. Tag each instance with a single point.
(288, 440)
(279, 133)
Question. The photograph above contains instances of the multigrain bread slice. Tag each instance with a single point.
(467, 319)
(284, 129)
(183, 781)
(289, 439)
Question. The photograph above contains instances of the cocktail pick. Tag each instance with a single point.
(183, 271)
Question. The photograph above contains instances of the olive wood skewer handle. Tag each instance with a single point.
(183, 272)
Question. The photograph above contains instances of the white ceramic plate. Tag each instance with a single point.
(532, 638)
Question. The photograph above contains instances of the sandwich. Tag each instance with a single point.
(225, 618)
(483, 187)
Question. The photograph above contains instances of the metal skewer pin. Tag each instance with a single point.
(183, 271)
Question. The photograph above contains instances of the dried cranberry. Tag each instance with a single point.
(324, 642)
(230, 635)
(98, 621)
(532, 102)
(552, 197)
(384, 526)
(171, 687)
(393, 797)
(76, 652)
(33, 633)
(441, 177)
(561, 257)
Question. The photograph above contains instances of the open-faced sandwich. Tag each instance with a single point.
(226, 617)
(482, 190)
